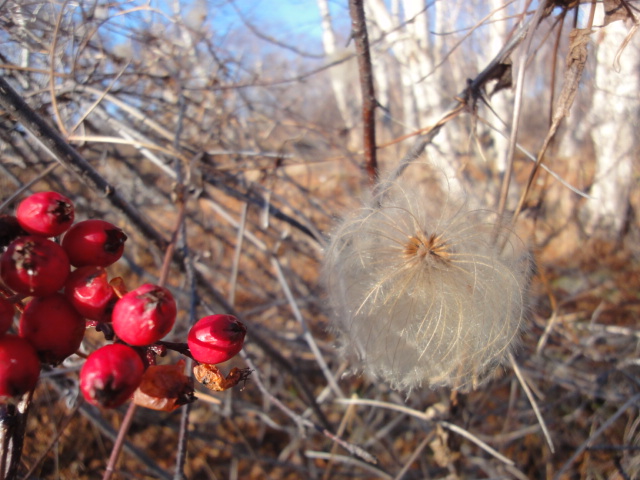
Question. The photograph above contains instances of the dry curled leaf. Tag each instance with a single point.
(442, 453)
(616, 10)
(211, 377)
(503, 75)
(164, 388)
(118, 285)
(574, 67)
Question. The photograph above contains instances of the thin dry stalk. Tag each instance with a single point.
(369, 103)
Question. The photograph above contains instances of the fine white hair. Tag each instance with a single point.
(425, 291)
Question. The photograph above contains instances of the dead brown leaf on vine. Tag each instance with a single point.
(211, 377)
(575, 63)
(615, 10)
(164, 388)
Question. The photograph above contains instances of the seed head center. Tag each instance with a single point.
(427, 246)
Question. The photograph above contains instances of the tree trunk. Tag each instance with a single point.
(615, 115)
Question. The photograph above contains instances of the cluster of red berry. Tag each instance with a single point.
(63, 302)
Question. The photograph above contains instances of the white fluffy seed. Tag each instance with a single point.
(425, 293)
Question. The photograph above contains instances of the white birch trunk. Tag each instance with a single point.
(502, 101)
(338, 77)
(615, 117)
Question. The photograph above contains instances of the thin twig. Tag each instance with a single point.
(305, 329)
(61, 151)
(424, 416)
(629, 403)
(61, 429)
(52, 66)
(350, 461)
(359, 34)
(304, 422)
(119, 442)
(532, 401)
(427, 135)
(417, 451)
(517, 107)
(28, 185)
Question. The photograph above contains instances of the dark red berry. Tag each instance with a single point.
(10, 229)
(216, 338)
(6, 315)
(88, 290)
(110, 375)
(53, 327)
(19, 366)
(45, 213)
(144, 315)
(34, 265)
(94, 242)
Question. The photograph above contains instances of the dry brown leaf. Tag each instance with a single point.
(118, 285)
(211, 377)
(576, 60)
(503, 75)
(164, 388)
(615, 10)
(575, 63)
(442, 454)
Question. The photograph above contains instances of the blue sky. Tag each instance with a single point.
(288, 21)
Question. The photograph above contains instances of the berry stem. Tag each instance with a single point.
(117, 446)
(179, 347)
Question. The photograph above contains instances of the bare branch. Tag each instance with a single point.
(359, 34)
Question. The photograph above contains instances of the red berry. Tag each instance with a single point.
(6, 315)
(216, 338)
(94, 242)
(34, 265)
(53, 327)
(45, 213)
(10, 229)
(144, 315)
(88, 290)
(19, 366)
(110, 375)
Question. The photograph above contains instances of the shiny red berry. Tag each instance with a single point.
(45, 213)
(19, 366)
(88, 290)
(34, 265)
(53, 327)
(144, 315)
(94, 242)
(216, 338)
(110, 375)
(6, 315)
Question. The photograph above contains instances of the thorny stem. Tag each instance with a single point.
(359, 34)
(13, 421)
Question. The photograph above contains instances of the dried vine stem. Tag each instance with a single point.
(359, 35)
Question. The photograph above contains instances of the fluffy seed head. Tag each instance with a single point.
(425, 292)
